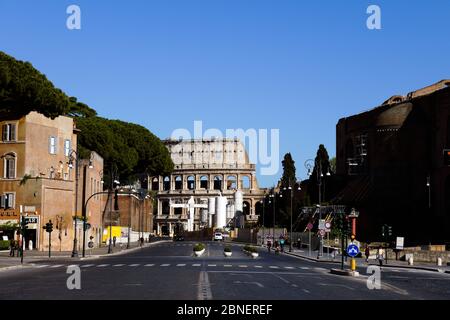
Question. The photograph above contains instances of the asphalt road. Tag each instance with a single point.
(168, 271)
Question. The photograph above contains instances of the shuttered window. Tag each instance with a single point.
(9, 132)
(10, 167)
(52, 145)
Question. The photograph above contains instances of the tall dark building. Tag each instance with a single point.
(396, 165)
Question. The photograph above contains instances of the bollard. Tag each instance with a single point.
(353, 264)
(411, 261)
(439, 262)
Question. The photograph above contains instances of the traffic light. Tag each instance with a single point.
(446, 157)
(49, 226)
(389, 231)
(116, 200)
(23, 226)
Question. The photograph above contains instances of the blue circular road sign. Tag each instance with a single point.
(353, 250)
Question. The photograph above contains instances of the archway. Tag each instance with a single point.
(178, 183)
(191, 183)
(166, 184)
(231, 183)
(204, 182)
(246, 182)
(155, 184)
(247, 208)
(217, 183)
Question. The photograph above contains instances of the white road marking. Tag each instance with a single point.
(243, 266)
(196, 265)
(255, 283)
(165, 265)
(87, 265)
(290, 268)
(57, 266)
(149, 265)
(228, 265)
(181, 265)
(212, 265)
(306, 291)
(274, 267)
(118, 265)
(259, 267)
(134, 265)
(102, 265)
(42, 266)
(304, 268)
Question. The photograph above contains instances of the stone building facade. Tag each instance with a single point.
(37, 180)
(205, 170)
(393, 159)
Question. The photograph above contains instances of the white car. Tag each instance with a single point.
(218, 236)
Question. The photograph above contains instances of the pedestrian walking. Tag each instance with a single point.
(12, 248)
(277, 247)
(114, 241)
(380, 255)
(367, 253)
(269, 244)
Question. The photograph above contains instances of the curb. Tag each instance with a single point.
(347, 273)
(123, 251)
(14, 268)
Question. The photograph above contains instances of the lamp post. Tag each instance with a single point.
(273, 197)
(73, 157)
(263, 224)
(429, 190)
(290, 187)
(317, 165)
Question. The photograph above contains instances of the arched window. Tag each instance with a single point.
(178, 183)
(191, 183)
(217, 183)
(246, 182)
(166, 184)
(204, 182)
(247, 208)
(231, 183)
(155, 184)
(9, 166)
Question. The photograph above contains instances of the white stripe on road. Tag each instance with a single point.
(243, 266)
(118, 265)
(290, 268)
(87, 265)
(181, 265)
(228, 265)
(165, 265)
(134, 265)
(57, 266)
(102, 265)
(259, 267)
(42, 266)
(212, 265)
(304, 268)
(149, 265)
(196, 265)
(274, 267)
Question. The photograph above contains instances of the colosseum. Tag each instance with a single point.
(213, 185)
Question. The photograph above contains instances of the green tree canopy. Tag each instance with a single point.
(133, 148)
(289, 178)
(24, 89)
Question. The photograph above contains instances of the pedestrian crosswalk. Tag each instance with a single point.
(177, 265)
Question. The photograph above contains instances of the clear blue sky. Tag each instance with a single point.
(294, 65)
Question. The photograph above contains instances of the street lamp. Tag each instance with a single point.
(317, 165)
(73, 157)
(429, 190)
(273, 197)
(263, 225)
(290, 187)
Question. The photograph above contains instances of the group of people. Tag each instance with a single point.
(380, 256)
(278, 245)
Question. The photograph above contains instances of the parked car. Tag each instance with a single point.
(218, 236)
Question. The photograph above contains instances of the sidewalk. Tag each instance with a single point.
(304, 254)
(30, 257)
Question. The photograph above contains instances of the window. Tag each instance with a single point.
(9, 167)
(8, 201)
(67, 147)
(52, 145)
(9, 132)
